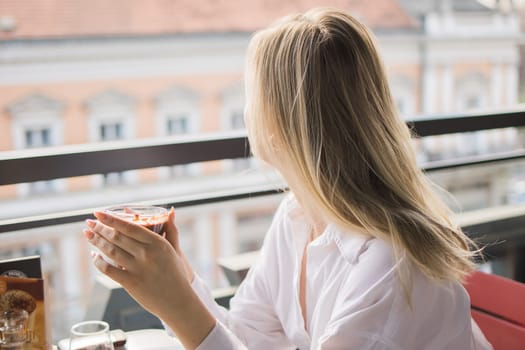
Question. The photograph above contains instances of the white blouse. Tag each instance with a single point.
(354, 299)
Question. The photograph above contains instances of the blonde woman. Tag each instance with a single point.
(361, 254)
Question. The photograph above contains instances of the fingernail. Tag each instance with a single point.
(91, 223)
(100, 215)
(88, 234)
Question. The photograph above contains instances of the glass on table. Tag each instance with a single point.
(151, 217)
(13, 329)
(90, 335)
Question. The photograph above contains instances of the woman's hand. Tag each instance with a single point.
(153, 271)
(150, 267)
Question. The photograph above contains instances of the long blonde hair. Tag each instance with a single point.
(320, 103)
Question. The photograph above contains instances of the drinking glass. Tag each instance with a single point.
(152, 217)
(90, 335)
(13, 329)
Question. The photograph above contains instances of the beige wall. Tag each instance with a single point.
(75, 94)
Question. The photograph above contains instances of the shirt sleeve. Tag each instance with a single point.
(251, 322)
(221, 338)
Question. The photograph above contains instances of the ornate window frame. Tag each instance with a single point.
(111, 106)
(34, 112)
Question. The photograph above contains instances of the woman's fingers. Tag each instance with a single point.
(112, 251)
(127, 244)
(117, 274)
(123, 241)
(127, 228)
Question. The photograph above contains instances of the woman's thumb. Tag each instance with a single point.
(172, 233)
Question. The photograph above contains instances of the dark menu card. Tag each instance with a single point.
(21, 267)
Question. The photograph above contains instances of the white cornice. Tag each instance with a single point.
(110, 99)
(175, 94)
(24, 63)
(35, 103)
(117, 48)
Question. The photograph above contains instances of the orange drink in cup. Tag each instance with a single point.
(151, 217)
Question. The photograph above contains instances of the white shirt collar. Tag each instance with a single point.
(349, 244)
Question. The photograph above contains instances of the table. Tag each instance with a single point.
(147, 339)
(152, 339)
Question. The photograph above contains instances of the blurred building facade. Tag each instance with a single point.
(74, 72)
(104, 72)
(470, 61)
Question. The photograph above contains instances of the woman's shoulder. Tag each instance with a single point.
(370, 258)
(374, 286)
(377, 268)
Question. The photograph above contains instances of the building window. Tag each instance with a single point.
(37, 123)
(112, 118)
(37, 137)
(178, 114)
(232, 118)
(113, 179)
(237, 123)
(472, 102)
(237, 120)
(111, 131)
(177, 125)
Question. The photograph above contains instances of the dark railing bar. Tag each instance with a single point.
(473, 160)
(440, 125)
(209, 198)
(497, 232)
(68, 161)
(502, 228)
(6, 173)
(78, 160)
(24, 223)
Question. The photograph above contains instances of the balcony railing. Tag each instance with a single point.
(77, 160)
